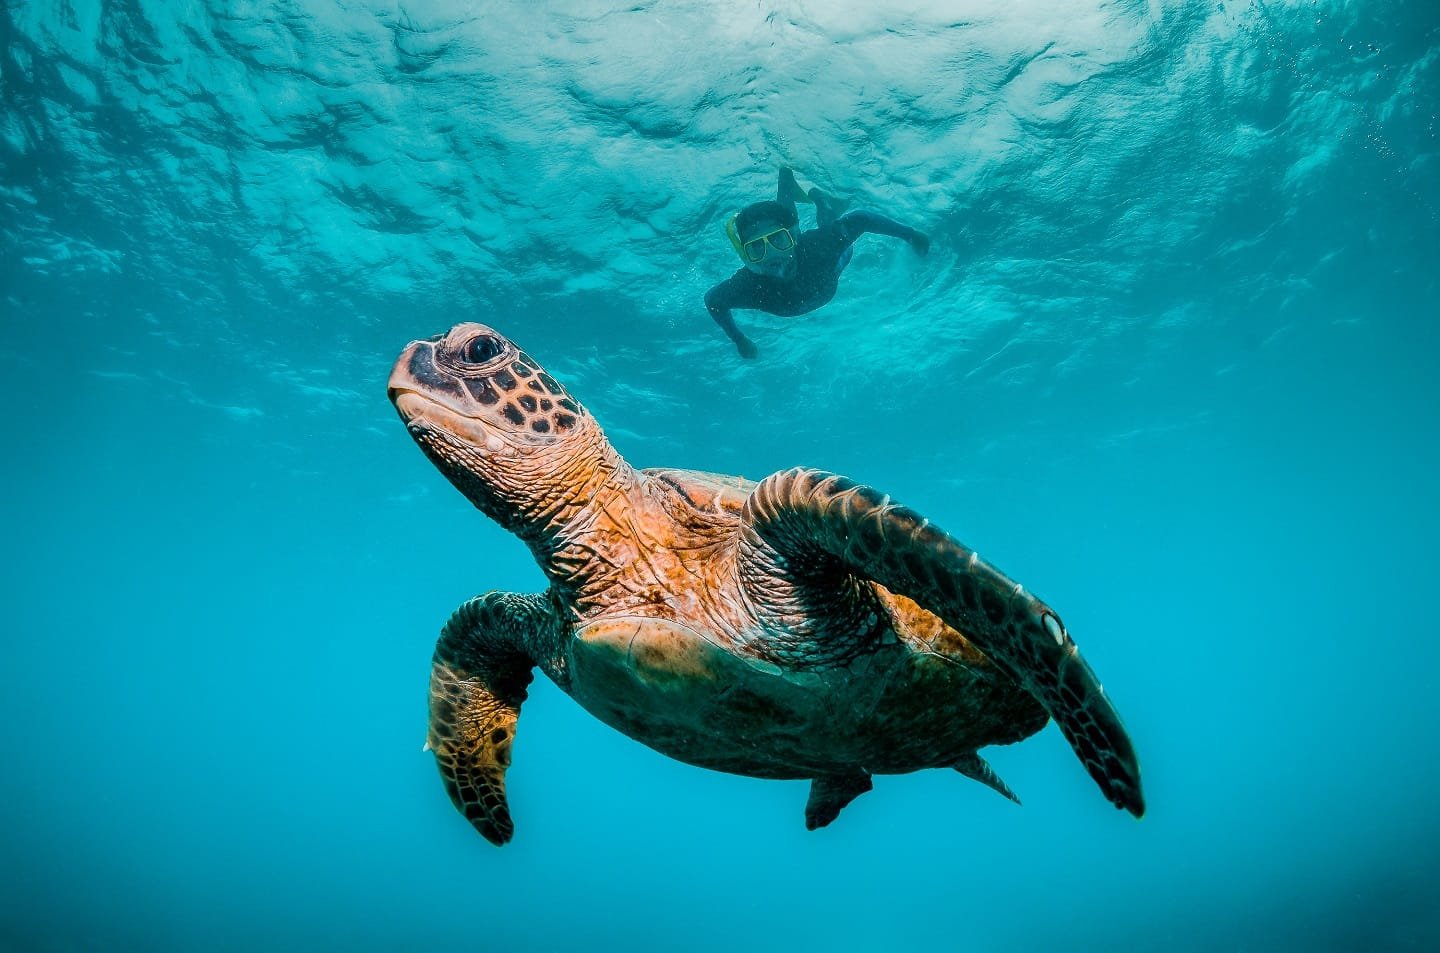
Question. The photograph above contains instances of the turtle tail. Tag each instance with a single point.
(810, 517)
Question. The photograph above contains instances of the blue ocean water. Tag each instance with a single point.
(1170, 362)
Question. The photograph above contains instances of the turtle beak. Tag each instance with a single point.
(417, 372)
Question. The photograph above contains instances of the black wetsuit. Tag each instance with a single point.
(821, 254)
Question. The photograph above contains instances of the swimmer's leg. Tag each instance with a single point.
(827, 207)
(789, 192)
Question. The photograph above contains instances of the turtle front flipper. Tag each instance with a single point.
(814, 525)
(478, 680)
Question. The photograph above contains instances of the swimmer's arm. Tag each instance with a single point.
(719, 307)
(860, 221)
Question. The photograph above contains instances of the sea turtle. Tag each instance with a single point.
(802, 627)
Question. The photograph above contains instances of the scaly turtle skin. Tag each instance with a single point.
(801, 627)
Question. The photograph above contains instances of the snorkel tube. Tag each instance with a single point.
(733, 233)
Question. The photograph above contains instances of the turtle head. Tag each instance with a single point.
(503, 431)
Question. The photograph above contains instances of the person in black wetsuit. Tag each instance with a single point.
(787, 274)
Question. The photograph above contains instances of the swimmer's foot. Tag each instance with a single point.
(828, 207)
(790, 191)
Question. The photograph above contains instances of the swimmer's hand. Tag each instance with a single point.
(921, 243)
(747, 348)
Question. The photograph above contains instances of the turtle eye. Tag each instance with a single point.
(481, 349)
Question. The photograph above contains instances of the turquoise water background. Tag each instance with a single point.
(1171, 363)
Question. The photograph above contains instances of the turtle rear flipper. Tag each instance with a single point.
(478, 680)
(829, 795)
(977, 768)
(820, 527)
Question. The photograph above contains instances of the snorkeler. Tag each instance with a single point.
(786, 274)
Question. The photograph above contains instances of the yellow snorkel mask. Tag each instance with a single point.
(756, 249)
